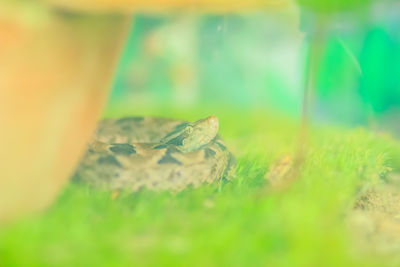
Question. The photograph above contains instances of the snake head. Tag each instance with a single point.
(189, 137)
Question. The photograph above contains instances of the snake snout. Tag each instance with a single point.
(213, 121)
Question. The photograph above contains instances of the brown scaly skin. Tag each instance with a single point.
(155, 153)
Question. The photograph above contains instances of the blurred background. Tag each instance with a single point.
(259, 59)
(253, 63)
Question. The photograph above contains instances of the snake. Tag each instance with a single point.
(155, 153)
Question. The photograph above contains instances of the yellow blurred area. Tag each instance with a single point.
(209, 6)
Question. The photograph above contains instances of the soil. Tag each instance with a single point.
(375, 220)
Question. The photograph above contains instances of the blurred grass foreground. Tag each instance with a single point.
(259, 66)
(242, 222)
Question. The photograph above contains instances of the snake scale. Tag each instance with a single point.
(155, 153)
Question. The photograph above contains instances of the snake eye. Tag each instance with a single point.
(189, 129)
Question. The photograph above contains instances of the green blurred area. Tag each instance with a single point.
(257, 60)
(332, 6)
(243, 222)
(213, 60)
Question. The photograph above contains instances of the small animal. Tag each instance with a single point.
(155, 153)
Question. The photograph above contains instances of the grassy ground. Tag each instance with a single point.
(236, 223)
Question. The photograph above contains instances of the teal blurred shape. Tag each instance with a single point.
(233, 58)
(380, 61)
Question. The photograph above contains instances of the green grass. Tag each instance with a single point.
(233, 223)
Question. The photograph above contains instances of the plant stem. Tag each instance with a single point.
(314, 56)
